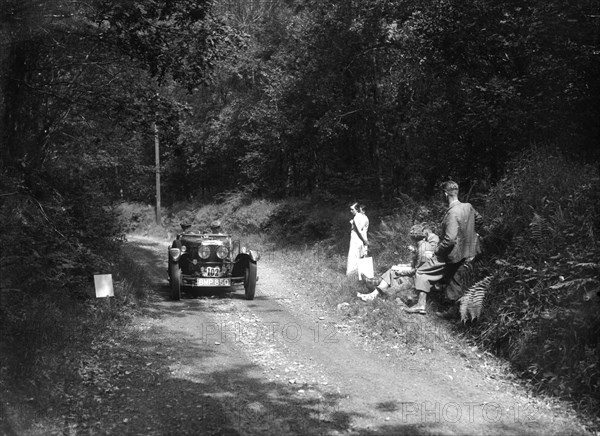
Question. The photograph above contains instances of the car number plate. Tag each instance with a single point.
(213, 282)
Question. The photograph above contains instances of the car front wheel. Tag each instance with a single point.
(250, 281)
(175, 274)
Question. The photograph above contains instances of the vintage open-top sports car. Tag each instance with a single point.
(210, 259)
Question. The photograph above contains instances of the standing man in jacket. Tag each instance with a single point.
(459, 243)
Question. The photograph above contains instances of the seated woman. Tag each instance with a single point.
(426, 243)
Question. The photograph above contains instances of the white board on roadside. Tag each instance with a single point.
(104, 285)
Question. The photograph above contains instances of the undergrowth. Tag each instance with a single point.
(542, 311)
(237, 213)
(51, 248)
(46, 336)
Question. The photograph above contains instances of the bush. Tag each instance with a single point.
(249, 218)
(44, 335)
(286, 221)
(391, 238)
(136, 217)
(48, 313)
(298, 222)
(541, 310)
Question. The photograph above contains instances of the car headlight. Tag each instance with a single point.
(204, 251)
(175, 253)
(222, 252)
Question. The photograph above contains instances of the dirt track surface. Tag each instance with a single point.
(280, 364)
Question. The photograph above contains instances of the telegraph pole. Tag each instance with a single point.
(157, 159)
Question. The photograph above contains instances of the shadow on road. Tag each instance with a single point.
(230, 401)
(183, 385)
(204, 396)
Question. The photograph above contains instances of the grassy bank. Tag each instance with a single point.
(49, 316)
(47, 338)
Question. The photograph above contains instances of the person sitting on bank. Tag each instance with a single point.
(426, 242)
(426, 245)
(459, 244)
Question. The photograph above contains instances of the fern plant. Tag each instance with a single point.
(540, 309)
(471, 303)
(540, 228)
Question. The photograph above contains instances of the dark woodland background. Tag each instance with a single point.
(284, 98)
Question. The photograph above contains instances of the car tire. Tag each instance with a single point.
(250, 280)
(175, 275)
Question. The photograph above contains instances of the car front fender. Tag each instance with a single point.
(242, 261)
(173, 249)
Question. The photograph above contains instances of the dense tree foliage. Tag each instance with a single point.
(82, 83)
(316, 97)
(319, 97)
(393, 95)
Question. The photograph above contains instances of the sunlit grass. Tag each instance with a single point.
(323, 278)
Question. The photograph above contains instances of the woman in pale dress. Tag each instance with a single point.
(363, 209)
(359, 242)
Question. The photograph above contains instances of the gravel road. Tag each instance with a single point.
(281, 364)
